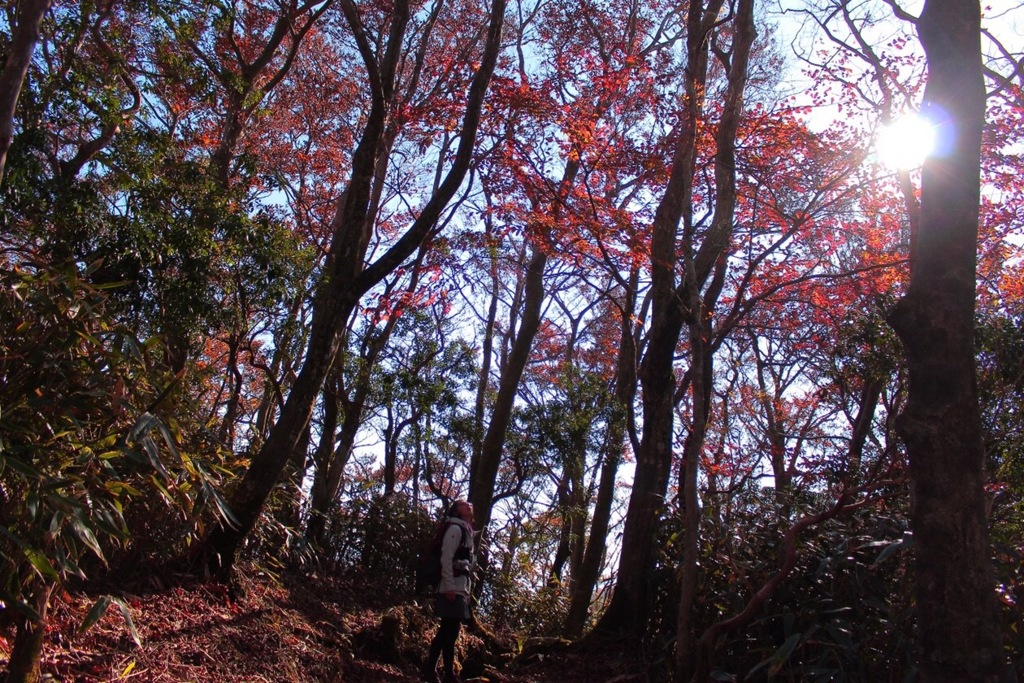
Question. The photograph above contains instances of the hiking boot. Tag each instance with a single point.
(430, 675)
(452, 678)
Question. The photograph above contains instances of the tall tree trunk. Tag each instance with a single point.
(330, 461)
(485, 475)
(626, 615)
(323, 460)
(484, 472)
(572, 507)
(628, 612)
(710, 258)
(625, 391)
(959, 638)
(564, 506)
(347, 278)
(327, 482)
(701, 387)
(24, 37)
(487, 345)
(578, 530)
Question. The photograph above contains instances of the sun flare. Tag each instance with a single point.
(906, 142)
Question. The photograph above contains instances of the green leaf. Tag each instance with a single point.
(85, 534)
(18, 604)
(96, 613)
(118, 488)
(168, 498)
(41, 564)
(904, 543)
(781, 656)
(123, 606)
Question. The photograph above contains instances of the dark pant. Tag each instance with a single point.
(444, 645)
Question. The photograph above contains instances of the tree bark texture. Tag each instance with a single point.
(23, 664)
(24, 37)
(957, 614)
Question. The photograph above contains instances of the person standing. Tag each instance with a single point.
(453, 592)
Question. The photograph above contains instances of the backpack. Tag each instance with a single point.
(428, 568)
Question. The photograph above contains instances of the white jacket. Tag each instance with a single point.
(460, 582)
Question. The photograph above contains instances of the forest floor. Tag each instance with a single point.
(289, 628)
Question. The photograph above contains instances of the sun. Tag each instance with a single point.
(904, 143)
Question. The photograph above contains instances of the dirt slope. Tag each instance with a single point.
(286, 629)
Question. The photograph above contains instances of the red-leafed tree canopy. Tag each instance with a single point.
(734, 396)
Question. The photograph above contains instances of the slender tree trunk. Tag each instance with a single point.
(323, 461)
(572, 507)
(578, 523)
(277, 378)
(625, 392)
(330, 461)
(702, 381)
(712, 256)
(565, 532)
(328, 484)
(628, 612)
(484, 477)
(486, 350)
(347, 277)
(577, 520)
(959, 638)
(234, 381)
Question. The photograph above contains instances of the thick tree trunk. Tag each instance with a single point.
(23, 665)
(628, 612)
(959, 638)
(23, 42)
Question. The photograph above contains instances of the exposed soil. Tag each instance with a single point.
(293, 628)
